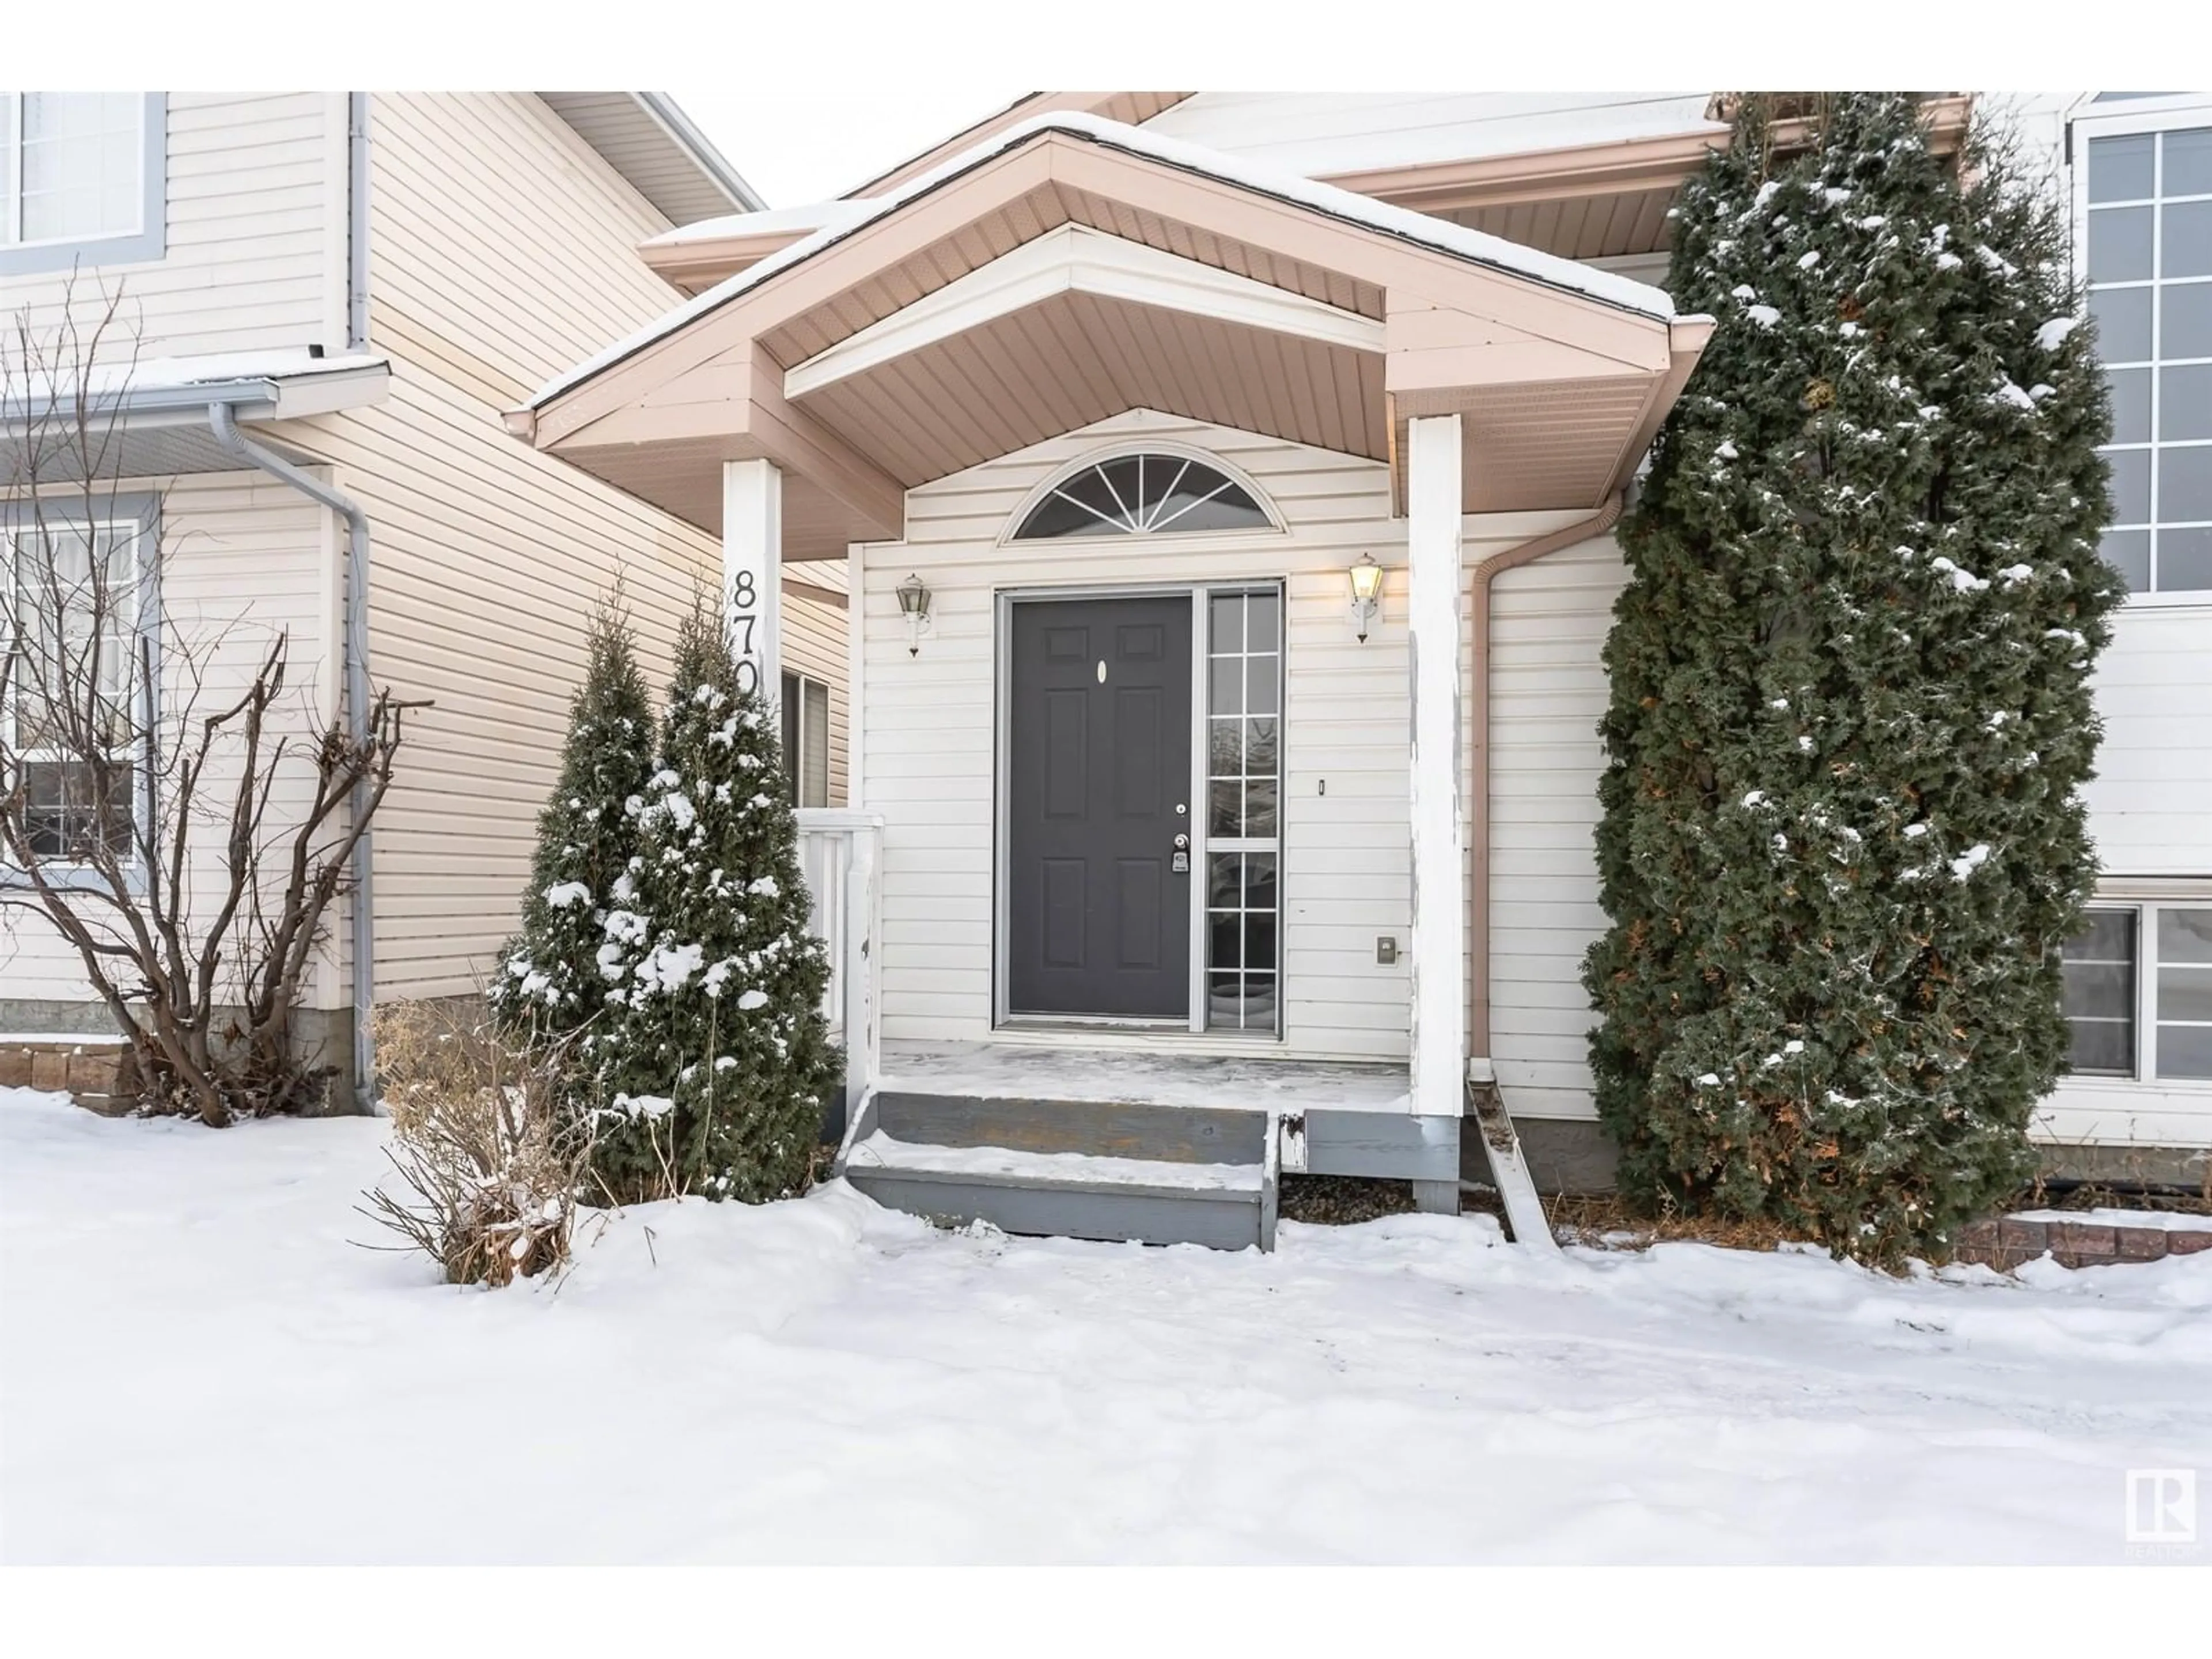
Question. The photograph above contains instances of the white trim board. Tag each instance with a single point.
(1076, 258)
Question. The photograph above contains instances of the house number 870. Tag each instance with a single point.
(745, 602)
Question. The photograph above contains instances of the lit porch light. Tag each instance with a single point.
(1366, 592)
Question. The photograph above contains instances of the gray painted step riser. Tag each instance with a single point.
(1174, 1134)
(1112, 1217)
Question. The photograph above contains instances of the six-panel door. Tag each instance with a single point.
(1098, 768)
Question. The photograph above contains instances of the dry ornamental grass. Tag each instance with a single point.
(490, 1174)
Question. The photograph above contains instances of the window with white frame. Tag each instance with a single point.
(2144, 187)
(81, 177)
(806, 740)
(2139, 991)
(72, 703)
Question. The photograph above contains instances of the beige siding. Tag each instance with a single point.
(929, 753)
(243, 557)
(502, 250)
(256, 190)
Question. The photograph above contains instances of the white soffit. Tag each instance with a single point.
(1076, 258)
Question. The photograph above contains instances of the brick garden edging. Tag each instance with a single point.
(86, 1069)
(2008, 1241)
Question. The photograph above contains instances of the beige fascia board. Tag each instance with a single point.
(1620, 166)
(1081, 258)
(733, 326)
(1687, 337)
(694, 267)
(739, 405)
(1624, 165)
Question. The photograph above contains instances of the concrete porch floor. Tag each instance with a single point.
(1029, 1070)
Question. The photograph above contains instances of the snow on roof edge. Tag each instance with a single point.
(810, 215)
(1478, 247)
(149, 376)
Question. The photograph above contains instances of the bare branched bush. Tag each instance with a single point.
(170, 807)
(490, 1171)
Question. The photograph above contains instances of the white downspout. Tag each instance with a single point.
(356, 635)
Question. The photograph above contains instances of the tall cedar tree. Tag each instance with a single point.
(1842, 838)
(548, 988)
(721, 1064)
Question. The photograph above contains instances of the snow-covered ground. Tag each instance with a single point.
(197, 1364)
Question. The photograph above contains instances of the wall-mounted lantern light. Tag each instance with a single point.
(1366, 591)
(914, 606)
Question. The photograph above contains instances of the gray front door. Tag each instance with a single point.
(1099, 790)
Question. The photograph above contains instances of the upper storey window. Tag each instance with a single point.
(81, 178)
(2146, 206)
(1143, 495)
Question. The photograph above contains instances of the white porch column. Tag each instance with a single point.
(753, 574)
(1435, 601)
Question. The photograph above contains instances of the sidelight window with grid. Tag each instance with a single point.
(1243, 809)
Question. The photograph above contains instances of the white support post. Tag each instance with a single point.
(752, 576)
(856, 674)
(1434, 602)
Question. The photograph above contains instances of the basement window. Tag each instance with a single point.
(2138, 992)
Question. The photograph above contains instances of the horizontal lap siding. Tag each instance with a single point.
(2150, 811)
(244, 558)
(930, 743)
(2150, 804)
(1547, 686)
(254, 258)
(930, 740)
(503, 249)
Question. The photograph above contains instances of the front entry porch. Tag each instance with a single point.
(1105, 434)
(1130, 1144)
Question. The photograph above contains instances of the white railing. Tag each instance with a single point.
(840, 854)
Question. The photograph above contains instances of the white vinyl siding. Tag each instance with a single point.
(253, 182)
(1548, 691)
(929, 745)
(2149, 807)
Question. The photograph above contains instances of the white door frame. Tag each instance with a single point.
(1198, 593)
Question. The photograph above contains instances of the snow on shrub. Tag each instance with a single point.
(1843, 834)
(491, 1167)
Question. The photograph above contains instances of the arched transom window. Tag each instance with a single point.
(1143, 495)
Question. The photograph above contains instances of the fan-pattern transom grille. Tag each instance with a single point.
(1143, 495)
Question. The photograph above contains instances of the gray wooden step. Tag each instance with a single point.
(1101, 1128)
(1225, 1205)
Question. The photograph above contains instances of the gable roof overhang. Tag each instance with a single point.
(1072, 268)
(647, 138)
